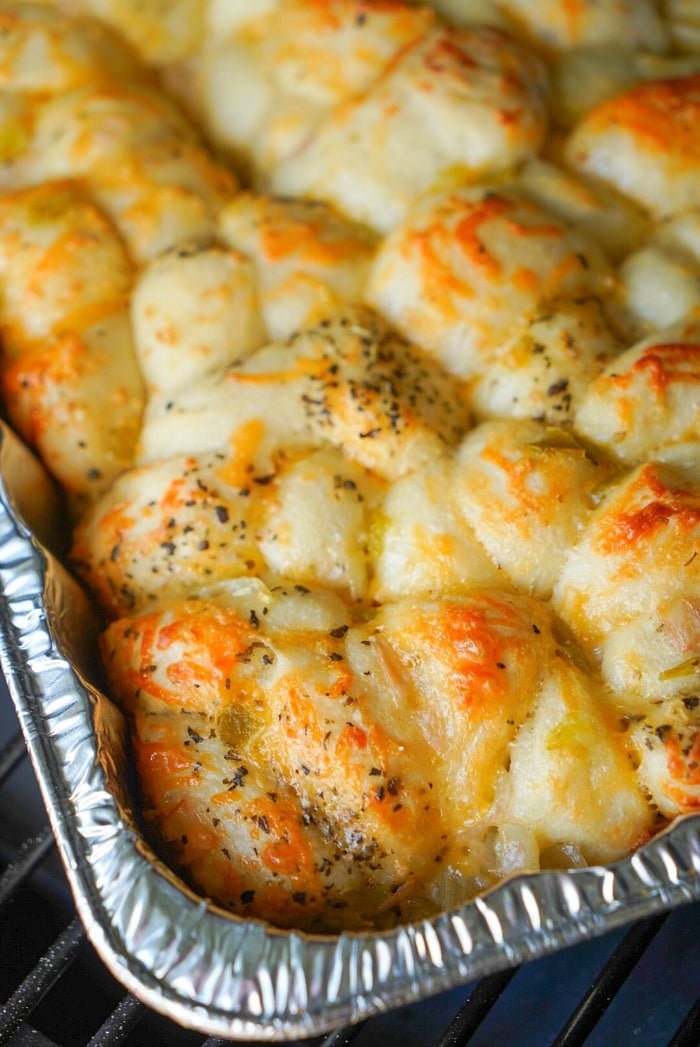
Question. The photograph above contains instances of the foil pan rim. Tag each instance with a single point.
(240, 979)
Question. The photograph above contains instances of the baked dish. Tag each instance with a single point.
(364, 341)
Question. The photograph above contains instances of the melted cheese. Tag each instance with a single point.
(69, 371)
(640, 549)
(633, 24)
(377, 731)
(420, 542)
(528, 494)
(161, 30)
(346, 46)
(547, 371)
(468, 99)
(194, 311)
(471, 267)
(308, 260)
(43, 53)
(349, 381)
(646, 404)
(645, 142)
(388, 486)
(571, 777)
(140, 157)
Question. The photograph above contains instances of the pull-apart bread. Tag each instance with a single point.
(364, 340)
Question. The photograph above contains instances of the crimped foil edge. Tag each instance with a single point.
(240, 979)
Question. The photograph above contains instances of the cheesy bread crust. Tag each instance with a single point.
(363, 338)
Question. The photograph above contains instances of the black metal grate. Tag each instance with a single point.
(635, 986)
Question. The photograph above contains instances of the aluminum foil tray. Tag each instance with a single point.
(181, 956)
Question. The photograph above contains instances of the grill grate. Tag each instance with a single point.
(634, 986)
